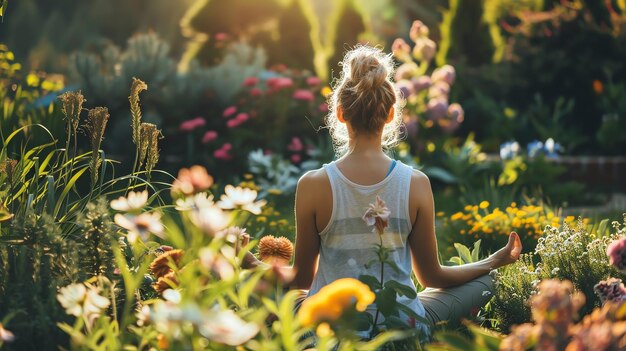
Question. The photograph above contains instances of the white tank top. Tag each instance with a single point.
(347, 244)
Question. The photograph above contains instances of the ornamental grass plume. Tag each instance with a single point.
(95, 125)
(275, 250)
(145, 135)
(8, 167)
(71, 106)
(333, 300)
(137, 87)
(162, 265)
(152, 158)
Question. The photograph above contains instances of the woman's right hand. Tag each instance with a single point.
(509, 253)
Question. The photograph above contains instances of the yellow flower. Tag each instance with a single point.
(324, 330)
(484, 204)
(457, 216)
(569, 219)
(261, 219)
(467, 207)
(274, 191)
(333, 299)
(440, 214)
(326, 91)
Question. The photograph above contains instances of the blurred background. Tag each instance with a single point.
(506, 100)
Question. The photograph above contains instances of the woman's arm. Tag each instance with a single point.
(429, 272)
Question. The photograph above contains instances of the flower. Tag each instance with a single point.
(556, 303)
(405, 87)
(377, 215)
(534, 147)
(209, 136)
(406, 71)
(229, 111)
(418, 30)
(238, 197)
(439, 90)
(437, 109)
(191, 124)
(598, 88)
(225, 327)
(272, 249)
(80, 300)
(296, 158)
(191, 180)
(304, 95)
(134, 202)
(424, 49)
(313, 81)
(168, 281)
(509, 150)
(71, 298)
(160, 266)
(401, 50)
(277, 83)
(421, 83)
(6, 335)
(611, 289)
(455, 112)
(484, 204)
(216, 263)
(254, 92)
(445, 73)
(211, 219)
(295, 145)
(221, 36)
(617, 254)
(333, 299)
(223, 153)
(250, 81)
(199, 200)
(141, 225)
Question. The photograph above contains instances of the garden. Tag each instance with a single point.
(150, 148)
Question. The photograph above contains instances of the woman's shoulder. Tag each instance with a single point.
(314, 177)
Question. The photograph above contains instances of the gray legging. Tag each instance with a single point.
(450, 305)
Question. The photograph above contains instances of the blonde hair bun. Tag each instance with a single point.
(366, 95)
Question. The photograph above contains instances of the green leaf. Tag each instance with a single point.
(602, 228)
(486, 338)
(401, 289)
(386, 302)
(475, 251)
(370, 281)
(464, 252)
(454, 340)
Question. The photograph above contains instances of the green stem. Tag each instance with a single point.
(382, 282)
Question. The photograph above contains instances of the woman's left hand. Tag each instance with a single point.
(508, 254)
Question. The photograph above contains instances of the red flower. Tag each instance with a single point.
(313, 81)
(229, 111)
(304, 95)
(209, 136)
(192, 124)
(250, 81)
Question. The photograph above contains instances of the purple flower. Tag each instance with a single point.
(418, 30)
(445, 73)
(437, 109)
(611, 289)
(455, 112)
(617, 254)
(405, 87)
(425, 49)
(421, 83)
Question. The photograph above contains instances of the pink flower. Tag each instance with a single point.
(401, 50)
(295, 145)
(313, 81)
(250, 81)
(304, 95)
(295, 158)
(405, 87)
(421, 83)
(242, 117)
(424, 49)
(277, 83)
(223, 152)
(445, 73)
(437, 109)
(254, 92)
(439, 90)
(229, 111)
(191, 124)
(323, 108)
(455, 111)
(221, 36)
(611, 289)
(209, 136)
(233, 123)
(377, 215)
(617, 254)
(418, 30)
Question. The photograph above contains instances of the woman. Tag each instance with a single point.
(333, 241)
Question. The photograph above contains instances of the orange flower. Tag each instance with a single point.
(191, 180)
(333, 299)
(161, 265)
(275, 250)
(168, 281)
(598, 87)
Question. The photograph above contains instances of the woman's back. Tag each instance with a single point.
(347, 244)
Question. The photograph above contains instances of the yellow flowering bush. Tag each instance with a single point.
(492, 225)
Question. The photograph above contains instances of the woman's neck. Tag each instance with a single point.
(365, 145)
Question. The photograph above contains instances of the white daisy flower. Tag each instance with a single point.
(141, 225)
(243, 198)
(134, 202)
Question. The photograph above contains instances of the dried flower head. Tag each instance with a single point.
(9, 168)
(95, 125)
(137, 87)
(71, 106)
(278, 250)
(556, 303)
(145, 135)
(162, 265)
(153, 149)
(168, 281)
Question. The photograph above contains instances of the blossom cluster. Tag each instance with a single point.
(549, 148)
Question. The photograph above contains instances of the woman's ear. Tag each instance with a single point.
(392, 114)
(340, 114)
